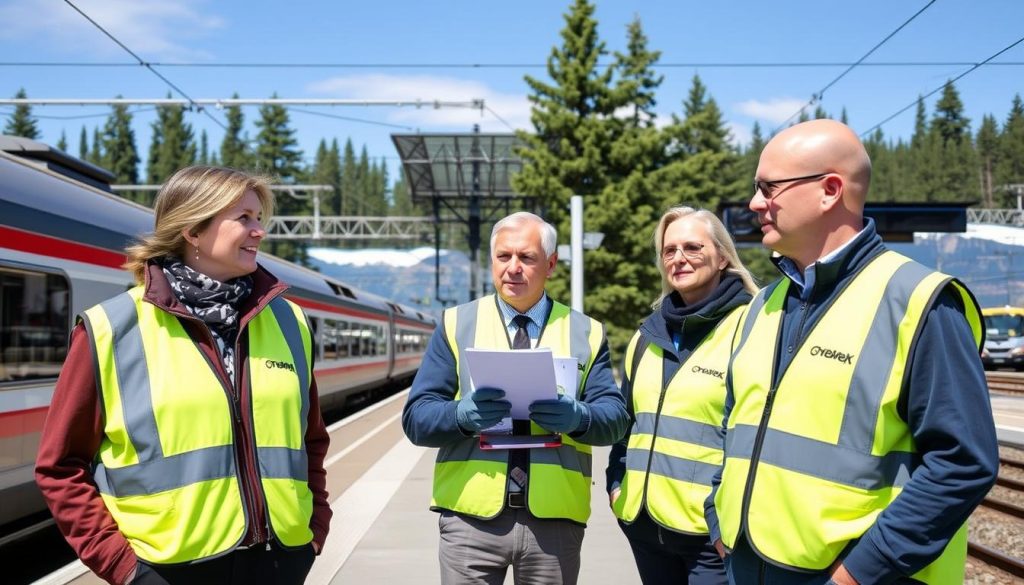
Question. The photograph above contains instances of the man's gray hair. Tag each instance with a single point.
(548, 235)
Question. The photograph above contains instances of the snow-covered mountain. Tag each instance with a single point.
(989, 259)
(405, 276)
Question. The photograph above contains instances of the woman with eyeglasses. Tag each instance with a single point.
(659, 474)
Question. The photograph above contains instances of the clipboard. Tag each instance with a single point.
(502, 441)
(525, 375)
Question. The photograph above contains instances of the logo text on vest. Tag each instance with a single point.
(271, 364)
(708, 371)
(846, 358)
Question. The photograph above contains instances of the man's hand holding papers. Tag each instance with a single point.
(482, 409)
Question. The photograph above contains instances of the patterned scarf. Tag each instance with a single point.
(215, 302)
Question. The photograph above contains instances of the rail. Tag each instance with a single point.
(1005, 382)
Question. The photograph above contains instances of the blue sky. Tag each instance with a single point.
(521, 34)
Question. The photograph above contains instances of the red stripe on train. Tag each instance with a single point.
(303, 302)
(22, 422)
(33, 243)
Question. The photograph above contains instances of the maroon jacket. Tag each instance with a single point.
(74, 429)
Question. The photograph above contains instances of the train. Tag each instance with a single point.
(62, 240)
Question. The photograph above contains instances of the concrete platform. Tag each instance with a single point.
(401, 545)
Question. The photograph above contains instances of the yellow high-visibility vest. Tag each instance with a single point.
(166, 467)
(830, 450)
(675, 445)
(471, 480)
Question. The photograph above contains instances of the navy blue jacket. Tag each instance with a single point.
(429, 414)
(946, 405)
(698, 321)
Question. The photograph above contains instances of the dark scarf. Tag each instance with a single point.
(723, 299)
(215, 302)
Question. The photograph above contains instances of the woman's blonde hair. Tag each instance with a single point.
(189, 200)
(719, 236)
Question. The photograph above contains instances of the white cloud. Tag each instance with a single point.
(741, 134)
(153, 29)
(776, 110)
(512, 108)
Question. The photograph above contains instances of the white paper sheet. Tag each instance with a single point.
(525, 375)
(567, 375)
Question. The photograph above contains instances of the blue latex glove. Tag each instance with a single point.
(563, 415)
(482, 409)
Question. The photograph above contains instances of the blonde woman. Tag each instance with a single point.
(660, 473)
(173, 452)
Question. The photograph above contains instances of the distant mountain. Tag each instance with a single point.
(989, 259)
(404, 276)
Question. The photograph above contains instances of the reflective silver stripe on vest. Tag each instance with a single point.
(671, 467)
(283, 463)
(753, 311)
(875, 362)
(468, 450)
(565, 455)
(465, 336)
(293, 337)
(579, 342)
(818, 459)
(168, 473)
(680, 429)
(133, 377)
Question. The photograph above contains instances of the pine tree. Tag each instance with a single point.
(349, 180)
(819, 113)
(277, 154)
(96, 154)
(326, 171)
(842, 116)
(204, 149)
(401, 200)
(233, 150)
(804, 117)
(119, 153)
(1010, 170)
(988, 157)
(955, 175)
(637, 75)
(83, 144)
(579, 147)
(173, 142)
(62, 144)
(335, 156)
(21, 123)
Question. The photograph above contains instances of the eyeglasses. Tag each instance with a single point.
(691, 250)
(766, 187)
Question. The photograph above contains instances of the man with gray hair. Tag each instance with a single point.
(521, 507)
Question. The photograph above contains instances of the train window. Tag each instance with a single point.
(33, 324)
(329, 339)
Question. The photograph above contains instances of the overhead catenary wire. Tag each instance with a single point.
(865, 133)
(500, 119)
(145, 64)
(667, 65)
(351, 119)
(820, 93)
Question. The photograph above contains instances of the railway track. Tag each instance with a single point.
(1006, 382)
(984, 553)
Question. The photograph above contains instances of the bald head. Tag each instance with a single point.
(828, 146)
(811, 183)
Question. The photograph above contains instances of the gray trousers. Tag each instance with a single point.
(541, 552)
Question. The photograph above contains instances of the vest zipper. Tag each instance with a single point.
(251, 437)
(654, 432)
(236, 411)
(762, 428)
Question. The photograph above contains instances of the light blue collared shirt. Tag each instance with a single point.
(805, 280)
(538, 315)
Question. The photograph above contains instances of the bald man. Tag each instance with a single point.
(859, 430)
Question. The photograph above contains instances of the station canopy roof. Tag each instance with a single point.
(442, 165)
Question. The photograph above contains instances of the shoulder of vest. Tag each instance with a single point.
(557, 307)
